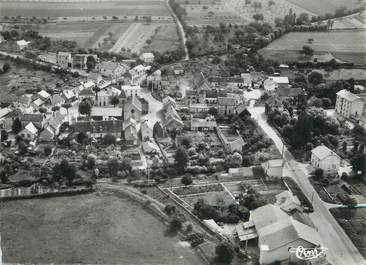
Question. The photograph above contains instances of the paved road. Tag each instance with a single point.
(180, 28)
(341, 249)
(155, 108)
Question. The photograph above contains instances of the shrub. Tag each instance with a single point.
(91, 161)
(109, 139)
(224, 252)
(175, 225)
(186, 180)
(47, 150)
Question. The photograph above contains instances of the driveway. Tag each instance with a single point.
(341, 249)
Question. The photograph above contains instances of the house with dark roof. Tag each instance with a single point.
(227, 105)
(326, 159)
(173, 122)
(98, 129)
(207, 124)
(200, 82)
(29, 132)
(113, 70)
(37, 119)
(86, 93)
(288, 92)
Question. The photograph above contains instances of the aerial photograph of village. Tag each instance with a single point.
(183, 132)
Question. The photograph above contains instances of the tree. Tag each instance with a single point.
(213, 111)
(186, 180)
(55, 108)
(224, 252)
(6, 67)
(302, 130)
(4, 136)
(175, 225)
(66, 106)
(186, 142)
(91, 160)
(257, 5)
(64, 170)
(235, 160)
(358, 163)
(47, 150)
(90, 63)
(16, 126)
(248, 2)
(42, 110)
(258, 17)
(306, 50)
(319, 173)
(315, 78)
(115, 101)
(271, 3)
(113, 166)
(181, 158)
(85, 107)
(109, 139)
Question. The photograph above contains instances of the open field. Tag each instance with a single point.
(357, 21)
(210, 13)
(165, 39)
(91, 228)
(321, 7)
(135, 37)
(86, 34)
(80, 9)
(353, 222)
(114, 36)
(345, 45)
(278, 10)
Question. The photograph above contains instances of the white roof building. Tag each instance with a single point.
(43, 94)
(278, 232)
(22, 44)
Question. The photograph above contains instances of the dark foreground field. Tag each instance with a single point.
(86, 229)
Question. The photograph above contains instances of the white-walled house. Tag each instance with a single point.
(349, 105)
(326, 159)
(274, 168)
(147, 57)
(274, 82)
(277, 232)
(131, 91)
(29, 132)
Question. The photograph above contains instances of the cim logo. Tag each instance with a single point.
(308, 253)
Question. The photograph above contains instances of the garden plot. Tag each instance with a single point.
(212, 194)
(165, 39)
